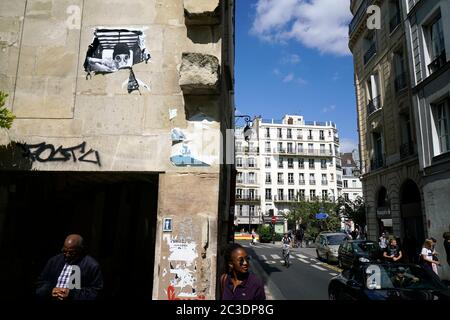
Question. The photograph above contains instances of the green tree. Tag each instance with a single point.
(304, 213)
(6, 116)
(353, 210)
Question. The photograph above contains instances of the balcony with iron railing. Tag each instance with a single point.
(300, 198)
(324, 182)
(400, 82)
(280, 181)
(268, 181)
(247, 198)
(437, 63)
(339, 183)
(290, 181)
(336, 139)
(304, 152)
(373, 105)
(301, 182)
(370, 52)
(300, 137)
(312, 182)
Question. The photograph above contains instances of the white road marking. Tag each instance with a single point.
(275, 256)
(263, 257)
(270, 262)
(333, 274)
(301, 256)
(303, 260)
(317, 267)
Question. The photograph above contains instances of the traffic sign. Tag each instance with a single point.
(274, 220)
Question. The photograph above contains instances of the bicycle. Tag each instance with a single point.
(286, 253)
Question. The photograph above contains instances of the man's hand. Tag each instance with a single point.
(60, 293)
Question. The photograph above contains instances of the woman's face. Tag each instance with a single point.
(240, 261)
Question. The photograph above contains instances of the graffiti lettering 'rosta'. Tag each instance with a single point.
(44, 152)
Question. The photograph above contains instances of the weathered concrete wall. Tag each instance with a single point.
(44, 43)
(187, 266)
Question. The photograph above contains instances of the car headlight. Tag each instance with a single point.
(362, 259)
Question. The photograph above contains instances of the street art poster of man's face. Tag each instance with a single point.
(114, 49)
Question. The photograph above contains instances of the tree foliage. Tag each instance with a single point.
(353, 210)
(304, 213)
(6, 116)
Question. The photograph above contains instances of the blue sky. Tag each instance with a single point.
(292, 58)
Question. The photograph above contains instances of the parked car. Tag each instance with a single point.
(352, 252)
(387, 281)
(327, 245)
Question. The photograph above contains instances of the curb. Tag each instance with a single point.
(271, 289)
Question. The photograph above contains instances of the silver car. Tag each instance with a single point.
(327, 245)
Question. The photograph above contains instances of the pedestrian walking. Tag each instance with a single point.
(426, 255)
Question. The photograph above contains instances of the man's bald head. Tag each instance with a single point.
(73, 247)
(74, 240)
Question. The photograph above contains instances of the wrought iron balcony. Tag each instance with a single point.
(437, 63)
(247, 198)
(373, 105)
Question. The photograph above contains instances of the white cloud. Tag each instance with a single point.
(291, 59)
(289, 78)
(301, 81)
(348, 145)
(317, 24)
(330, 108)
(276, 72)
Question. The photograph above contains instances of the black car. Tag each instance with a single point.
(387, 281)
(352, 252)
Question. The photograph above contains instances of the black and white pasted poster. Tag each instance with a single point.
(115, 49)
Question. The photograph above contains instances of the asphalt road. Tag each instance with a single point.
(307, 278)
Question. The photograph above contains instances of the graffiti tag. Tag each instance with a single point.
(44, 152)
(171, 295)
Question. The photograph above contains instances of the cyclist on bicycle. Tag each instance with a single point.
(286, 242)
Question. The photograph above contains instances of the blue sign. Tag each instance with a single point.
(322, 215)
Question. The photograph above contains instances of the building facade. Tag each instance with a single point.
(295, 160)
(351, 184)
(391, 177)
(427, 25)
(121, 111)
(248, 213)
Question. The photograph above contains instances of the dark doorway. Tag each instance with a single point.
(412, 219)
(114, 212)
(384, 216)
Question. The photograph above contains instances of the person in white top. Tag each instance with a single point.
(426, 256)
(383, 241)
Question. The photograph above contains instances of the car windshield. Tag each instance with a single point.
(336, 239)
(369, 247)
(384, 277)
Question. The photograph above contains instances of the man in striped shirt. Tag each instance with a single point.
(71, 275)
